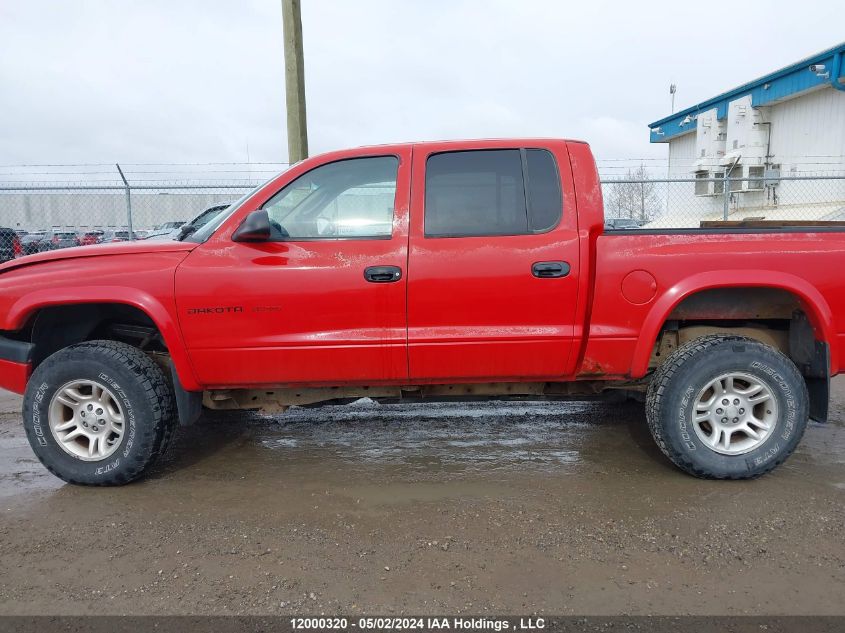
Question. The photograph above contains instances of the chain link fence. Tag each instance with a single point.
(47, 207)
(40, 216)
(677, 203)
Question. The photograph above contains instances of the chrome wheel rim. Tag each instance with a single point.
(86, 420)
(735, 413)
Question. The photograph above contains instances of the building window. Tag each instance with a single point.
(755, 177)
(719, 184)
(702, 186)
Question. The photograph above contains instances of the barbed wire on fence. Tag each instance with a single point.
(248, 173)
(633, 198)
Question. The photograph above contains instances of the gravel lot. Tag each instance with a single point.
(556, 508)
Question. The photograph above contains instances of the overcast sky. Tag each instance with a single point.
(203, 80)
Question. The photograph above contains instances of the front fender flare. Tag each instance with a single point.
(163, 317)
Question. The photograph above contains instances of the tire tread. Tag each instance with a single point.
(156, 434)
(660, 383)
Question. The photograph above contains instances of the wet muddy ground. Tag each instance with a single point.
(557, 508)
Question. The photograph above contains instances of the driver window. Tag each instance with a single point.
(351, 198)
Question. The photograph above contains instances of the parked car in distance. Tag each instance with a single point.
(116, 235)
(622, 223)
(56, 239)
(30, 242)
(10, 245)
(429, 271)
(88, 238)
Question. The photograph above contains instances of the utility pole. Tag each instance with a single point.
(294, 81)
(673, 88)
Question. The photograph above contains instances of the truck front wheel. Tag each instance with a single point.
(98, 413)
(727, 407)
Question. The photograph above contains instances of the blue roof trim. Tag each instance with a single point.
(783, 83)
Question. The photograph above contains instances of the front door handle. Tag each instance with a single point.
(545, 270)
(382, 274)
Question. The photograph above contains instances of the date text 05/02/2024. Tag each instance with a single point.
(418, 624)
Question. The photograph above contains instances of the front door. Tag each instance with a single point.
(493, 263)
(324, 301)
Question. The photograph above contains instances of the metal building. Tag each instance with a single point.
(749, 149)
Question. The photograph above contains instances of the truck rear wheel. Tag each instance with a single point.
(727, 407)
(98, 413)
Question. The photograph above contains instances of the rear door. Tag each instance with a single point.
(493, 262)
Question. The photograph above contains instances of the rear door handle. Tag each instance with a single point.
(545, 270)
(382, 274)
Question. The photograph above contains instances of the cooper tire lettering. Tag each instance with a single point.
(136, 383)
(673, 398)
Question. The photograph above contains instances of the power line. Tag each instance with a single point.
(244, 163)
(7, 165)
(98, 173)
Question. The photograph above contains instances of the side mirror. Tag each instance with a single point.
(254, 228)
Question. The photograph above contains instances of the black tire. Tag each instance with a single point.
(678, 381)
(143, 393)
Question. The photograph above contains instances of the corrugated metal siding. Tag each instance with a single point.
(808, 133)
(681, 156)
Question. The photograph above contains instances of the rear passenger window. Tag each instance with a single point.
(491, 192)
(475, 193)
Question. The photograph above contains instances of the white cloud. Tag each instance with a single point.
(200, 80)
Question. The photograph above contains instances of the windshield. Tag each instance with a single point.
(203, 233)
(208, 215)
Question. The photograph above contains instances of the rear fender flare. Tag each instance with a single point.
(814, 303)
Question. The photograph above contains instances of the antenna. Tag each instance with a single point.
(672, 90)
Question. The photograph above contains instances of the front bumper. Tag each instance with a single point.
(14, 376)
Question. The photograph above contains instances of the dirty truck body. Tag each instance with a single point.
(432, 270)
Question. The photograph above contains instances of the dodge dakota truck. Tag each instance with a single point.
(471, 269)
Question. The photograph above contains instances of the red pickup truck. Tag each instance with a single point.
(427, 270)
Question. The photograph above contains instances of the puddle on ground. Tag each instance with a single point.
(429, 450)
(478, 435)
(20, 471)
